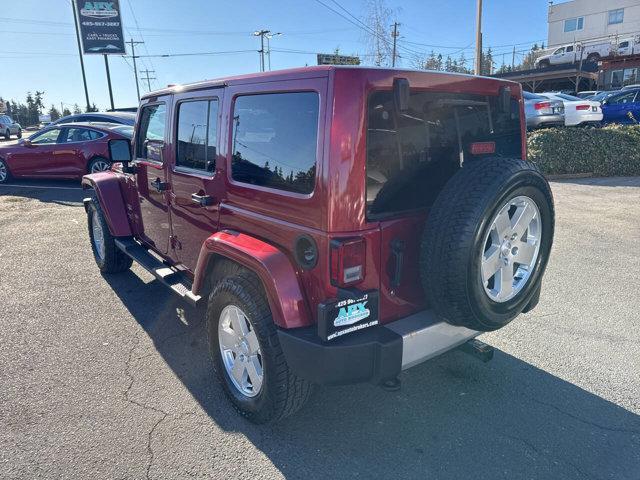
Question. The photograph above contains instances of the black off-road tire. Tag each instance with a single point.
(113, 260)
(282, 392)
(453, 241)
(4, 168)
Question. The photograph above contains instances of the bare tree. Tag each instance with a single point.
(378, 19)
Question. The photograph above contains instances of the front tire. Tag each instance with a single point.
(487, 242)
(19, 133)
(108, 257)
(246, 353)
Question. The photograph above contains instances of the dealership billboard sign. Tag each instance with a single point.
(100, 25)
(335, 59)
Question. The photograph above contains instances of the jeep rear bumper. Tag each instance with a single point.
(375, 354)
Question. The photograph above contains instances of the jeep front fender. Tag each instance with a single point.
(107, 188)
(273, 268)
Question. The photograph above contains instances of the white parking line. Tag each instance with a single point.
(39, 186)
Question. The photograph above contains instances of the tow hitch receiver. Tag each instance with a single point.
(478, 349)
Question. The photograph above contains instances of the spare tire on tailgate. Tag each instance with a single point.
(487, 242)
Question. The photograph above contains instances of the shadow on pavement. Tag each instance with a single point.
(454, 417)
(64, 192)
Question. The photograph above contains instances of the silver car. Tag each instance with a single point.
(542, 112)
(8, 127)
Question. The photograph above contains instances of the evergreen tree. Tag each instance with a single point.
(54, 113)
(76, 109)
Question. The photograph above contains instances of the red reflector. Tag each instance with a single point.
(483, 148)
(541, 105)
(583, 107)
(347, 261)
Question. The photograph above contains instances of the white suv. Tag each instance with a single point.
(8, 127)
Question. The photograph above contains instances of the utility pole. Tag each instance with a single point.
(135, 67)
(513, 59)
(479, 39)
(84, 76)
(106, 66)
(395, 35)
(148, 78)
(261, 34)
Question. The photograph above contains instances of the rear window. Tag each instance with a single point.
(412, 154)
(275, 138)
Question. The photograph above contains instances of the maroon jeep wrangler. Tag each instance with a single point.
(341, 224)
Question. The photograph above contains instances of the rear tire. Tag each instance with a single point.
(7, 134)
(280, 392)
(593, 58)
(108, 257)
(461, 238)
(544, 64)
(5, 174)
(99, 164)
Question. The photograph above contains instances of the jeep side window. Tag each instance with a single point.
(152, 126)
(197, 135)
(275, 138)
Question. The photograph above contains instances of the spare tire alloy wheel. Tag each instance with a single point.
(240, 351)
(512, 244)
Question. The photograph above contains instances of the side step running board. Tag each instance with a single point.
(164, 274)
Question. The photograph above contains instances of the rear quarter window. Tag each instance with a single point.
(412, 154)
(275, 138)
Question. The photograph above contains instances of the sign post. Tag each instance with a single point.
(100, 32)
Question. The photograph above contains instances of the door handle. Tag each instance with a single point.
(202, 200)
(159, 185)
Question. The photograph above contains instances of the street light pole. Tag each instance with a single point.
(269, 37)
(135, 67)
(106, 66)
(479, 39)
(84, 76)
(261, 34)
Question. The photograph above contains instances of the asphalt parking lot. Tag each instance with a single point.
(109, 377)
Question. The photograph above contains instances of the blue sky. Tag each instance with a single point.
(38, 47)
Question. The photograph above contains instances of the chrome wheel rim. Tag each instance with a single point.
(511, 248)
(240, 351)
(3, 172)
(100, 166)
(98, 235)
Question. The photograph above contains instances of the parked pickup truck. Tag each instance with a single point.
(341, 224)
(588, 52)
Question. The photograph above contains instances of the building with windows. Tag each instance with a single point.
(592, 20)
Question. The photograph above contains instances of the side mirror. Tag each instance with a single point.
(401, 94)
(120, 151)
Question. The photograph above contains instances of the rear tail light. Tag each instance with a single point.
(483, 148)
(583, 107)
(542, 105)
(347, 261)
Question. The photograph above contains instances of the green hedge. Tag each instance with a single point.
(608, 151)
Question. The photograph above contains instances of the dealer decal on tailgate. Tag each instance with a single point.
(345, 316)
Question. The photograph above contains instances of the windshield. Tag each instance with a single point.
(603, 95)
(125, 130)
(532, 96)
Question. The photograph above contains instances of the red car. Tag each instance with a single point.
(61, 151)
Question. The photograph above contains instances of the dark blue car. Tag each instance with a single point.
(623, 107)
